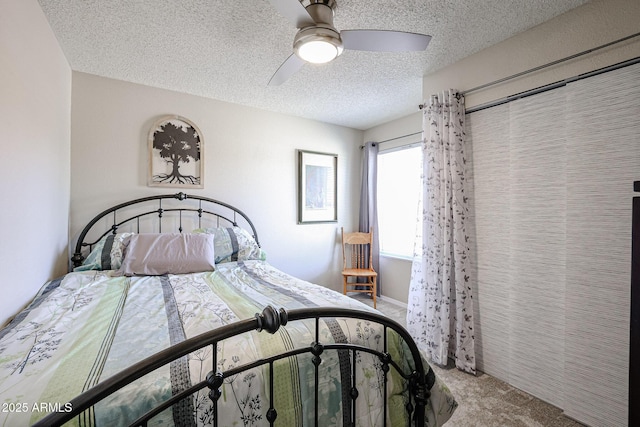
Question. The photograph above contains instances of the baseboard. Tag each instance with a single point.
(393, 301)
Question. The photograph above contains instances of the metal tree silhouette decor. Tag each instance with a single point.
(175, 146)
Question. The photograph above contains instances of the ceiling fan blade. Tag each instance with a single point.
(384, 41)
(288, 68)
(294, 11)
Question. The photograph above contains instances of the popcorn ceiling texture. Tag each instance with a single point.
(228, 50)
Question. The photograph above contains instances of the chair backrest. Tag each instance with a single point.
(356, 250)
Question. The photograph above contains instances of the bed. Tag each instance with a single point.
(188, 324)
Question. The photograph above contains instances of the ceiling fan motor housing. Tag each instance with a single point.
(321, 10)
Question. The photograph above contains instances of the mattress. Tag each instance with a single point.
(88, 325)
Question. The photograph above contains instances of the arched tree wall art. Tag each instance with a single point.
(175, 153)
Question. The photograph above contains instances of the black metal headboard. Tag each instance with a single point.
(205, 206)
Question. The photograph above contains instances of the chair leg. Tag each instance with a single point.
(344, 285)
(373, 294)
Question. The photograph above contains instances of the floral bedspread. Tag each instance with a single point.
(86, 326)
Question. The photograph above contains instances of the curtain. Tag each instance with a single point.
(440, 306)
(369, 202)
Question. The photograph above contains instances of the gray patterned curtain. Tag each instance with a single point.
(440, 306)
(369, 201)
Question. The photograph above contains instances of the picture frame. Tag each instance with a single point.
(317, 187)
(176, 154)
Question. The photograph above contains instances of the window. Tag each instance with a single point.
(399, 172)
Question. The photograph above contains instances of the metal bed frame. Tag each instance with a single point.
(270, 320)
(417, 381)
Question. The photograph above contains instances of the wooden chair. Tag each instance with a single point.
(357, 262)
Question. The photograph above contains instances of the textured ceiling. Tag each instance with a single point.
(228, 50)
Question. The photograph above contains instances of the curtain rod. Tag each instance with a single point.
(534, 91)
(539, 89)
(400, 137)
(550, 64)
(393, 139)
(551, 86)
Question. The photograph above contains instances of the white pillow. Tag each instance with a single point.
(157, 254)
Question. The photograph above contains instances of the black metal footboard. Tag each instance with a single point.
(418, 382)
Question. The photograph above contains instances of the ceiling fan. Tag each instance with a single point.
(318, 41)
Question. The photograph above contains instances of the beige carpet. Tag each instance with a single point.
(485, 401)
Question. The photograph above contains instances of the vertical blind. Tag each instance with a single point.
(552, 178)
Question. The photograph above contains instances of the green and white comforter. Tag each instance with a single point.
(86, 326)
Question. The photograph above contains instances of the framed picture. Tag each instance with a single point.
(175, 154)
(317, 187)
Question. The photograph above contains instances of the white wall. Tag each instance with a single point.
(35, 119)
(250, 162)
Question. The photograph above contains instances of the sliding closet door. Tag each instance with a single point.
(552, 178)
(603, 119)
(537, 227)
(488, 137)
(519, 201)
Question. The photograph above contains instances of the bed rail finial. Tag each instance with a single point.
(77, 259)
(270, 320)
(214, 382)
(181, 196)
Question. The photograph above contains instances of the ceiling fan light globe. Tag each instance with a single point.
(318, 51)
(318, 44)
